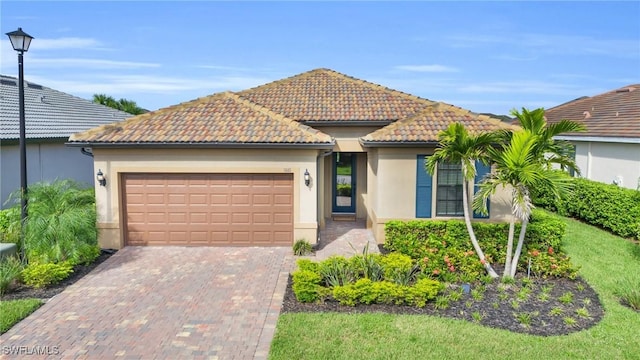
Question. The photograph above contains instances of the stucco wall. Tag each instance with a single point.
(605, 162)
(347, 137)
(114, 162)
(393, 181)
(45, 162)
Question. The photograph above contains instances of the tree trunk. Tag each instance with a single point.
(507, 262)
(472, 235)
(516, 257)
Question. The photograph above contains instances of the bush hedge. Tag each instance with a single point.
(607, 206)
(444, 250)
(350, 281)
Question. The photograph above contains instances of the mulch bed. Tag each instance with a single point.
(24, 292)
(495, 308)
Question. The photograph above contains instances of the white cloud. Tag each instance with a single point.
(427, 68)
(550, 44)
(66, 43)
(146, 84)
(74, 63)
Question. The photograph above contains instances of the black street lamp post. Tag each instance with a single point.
(20, 41)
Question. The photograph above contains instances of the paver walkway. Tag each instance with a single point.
(162, 303)
(346, 238)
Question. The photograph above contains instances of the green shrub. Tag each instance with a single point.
(84, 254)
(367, 266)
(608, 206)
(302, 247)
(10, 226)
(306, 286)
(443, 249)
(398, 268)
(306, 264)
(337, 270)
(62, 217)
(10, 271)
(365, 291)
(422, 291)
(628, 290)
(385, 292)
(545, 263)
(351, 294)
(40, 275)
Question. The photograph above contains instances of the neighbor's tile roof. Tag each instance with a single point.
(49, 113)
(427, 124)
(223, 118)
(327, 95)
(612, 114)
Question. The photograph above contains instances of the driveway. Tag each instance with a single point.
(162, 303)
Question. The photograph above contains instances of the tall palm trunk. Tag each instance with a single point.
(472, 235)
(516, 257)
(507, 262)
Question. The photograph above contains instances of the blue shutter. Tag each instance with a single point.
(481, 171)
(423, 189)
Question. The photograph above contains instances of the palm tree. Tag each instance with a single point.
(546, 148)
(125, 105)
(519, 166)
(106, 101)
(130, 106)
(458, 146)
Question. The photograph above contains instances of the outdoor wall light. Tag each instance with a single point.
(101, 179)
(307, 177)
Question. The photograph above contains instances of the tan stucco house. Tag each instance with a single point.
(269, 165)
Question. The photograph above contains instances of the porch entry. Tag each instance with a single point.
(344, 183)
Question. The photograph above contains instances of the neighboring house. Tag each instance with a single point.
(269, 165)
(50, 118)
(609, 151)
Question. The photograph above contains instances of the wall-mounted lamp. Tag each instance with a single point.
(101, 179)
(307, 177)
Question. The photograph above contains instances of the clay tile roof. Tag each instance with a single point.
(425, 126)
(612, 114)
(326, 95)
(223, 118)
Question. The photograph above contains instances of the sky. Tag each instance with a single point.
(482, 56)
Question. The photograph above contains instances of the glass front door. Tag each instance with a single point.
(344, 183)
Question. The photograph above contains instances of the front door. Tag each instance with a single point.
(344, 182)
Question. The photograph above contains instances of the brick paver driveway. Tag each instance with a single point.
(163, 303)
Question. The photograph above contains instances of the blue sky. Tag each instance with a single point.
(482, 56)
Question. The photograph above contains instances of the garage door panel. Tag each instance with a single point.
(282, 199)
(239, 218)
(208, 209)
(261, 199)
(261, 218)
(240, 199)
(220, 218)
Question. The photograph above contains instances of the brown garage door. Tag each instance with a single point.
(208, 209)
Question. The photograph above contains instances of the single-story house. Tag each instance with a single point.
(50, 118)
(269, 165)
(609, 151)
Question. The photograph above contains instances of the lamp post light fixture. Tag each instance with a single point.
(20, 41)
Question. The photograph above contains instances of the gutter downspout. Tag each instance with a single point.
(86, 152)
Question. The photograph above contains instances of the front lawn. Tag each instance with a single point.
(13, 311)
(604, 258)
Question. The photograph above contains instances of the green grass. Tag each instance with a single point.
(604, 259)
(12, 311)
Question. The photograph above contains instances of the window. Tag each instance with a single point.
(449, 190)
